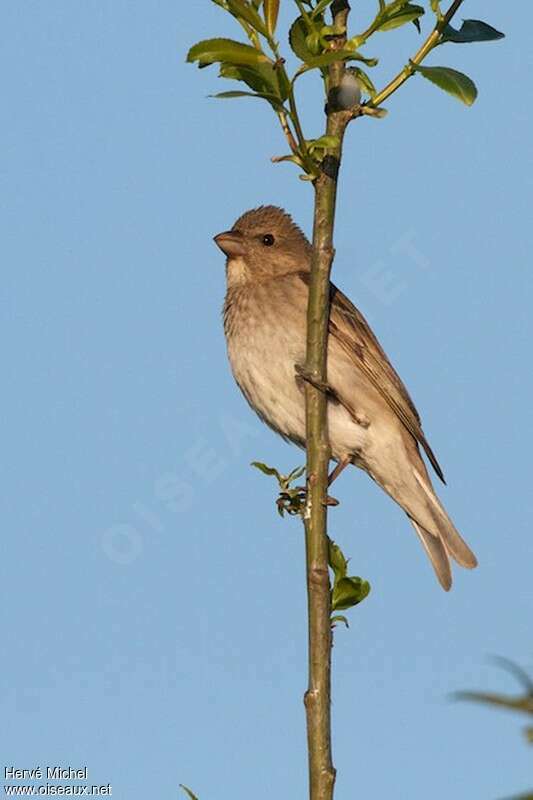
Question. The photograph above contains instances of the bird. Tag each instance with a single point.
(372, 422)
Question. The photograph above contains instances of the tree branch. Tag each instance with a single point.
(318, 695)
(431, 42)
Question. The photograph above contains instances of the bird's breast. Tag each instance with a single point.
(266, 335)
(265, 341)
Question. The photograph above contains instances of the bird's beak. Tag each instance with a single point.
(231, 243)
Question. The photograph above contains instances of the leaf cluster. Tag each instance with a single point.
(291, 499)
(259, 67)
(347, 591)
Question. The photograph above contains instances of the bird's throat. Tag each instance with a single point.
(236, 271)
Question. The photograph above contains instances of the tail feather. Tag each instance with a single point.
(446, 530)
(412, 489)
(437, 553)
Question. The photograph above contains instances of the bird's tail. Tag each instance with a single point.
(439, 537)
(441, 540)
(438, 555)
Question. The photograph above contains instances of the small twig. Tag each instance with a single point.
(282, 116)
(299, 148)
(297, 125)
(431, 41)
(305, 16)
(250, 32)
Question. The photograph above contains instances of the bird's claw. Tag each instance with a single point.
(304, 374)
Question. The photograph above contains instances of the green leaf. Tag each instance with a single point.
(450, 80)
(262, 78)
(370, 62)
(339, 618)
(266, 470)
(336, 560)
(364, 80)
(248, 13)
(331, 30)
(271, 11)
(274, 101)
(330, 57)
(322, 143)
(348, 592)
(188, 791)
(297, 39)
(227, 50)
(298, 471)
(320, 8)
(313, 43)
(395, 6)
(295, 160)
(352, 45)
(306, 43)
(472, 30)
(409, 13)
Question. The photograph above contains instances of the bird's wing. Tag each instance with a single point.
(348, 326)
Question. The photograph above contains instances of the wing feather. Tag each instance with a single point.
(354, 335)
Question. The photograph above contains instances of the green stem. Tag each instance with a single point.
(318, 695)
(282, 116)
(297, 124)
(305, 16)
(431, 42)
(362, 37)
(301, 150)
(250, 32)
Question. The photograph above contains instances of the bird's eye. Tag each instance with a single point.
(268, 240)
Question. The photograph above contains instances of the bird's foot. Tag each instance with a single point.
(305, 375)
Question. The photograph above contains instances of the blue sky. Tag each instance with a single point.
(153, 604)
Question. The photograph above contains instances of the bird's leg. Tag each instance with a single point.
(304, 375)
(341, 466)
(334, 474)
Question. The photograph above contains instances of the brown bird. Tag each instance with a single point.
(372, 421)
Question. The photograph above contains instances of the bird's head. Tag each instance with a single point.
(263, 243)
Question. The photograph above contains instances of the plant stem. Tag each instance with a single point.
(318, 695)
(282, 116)
(431, 42)
(304, 15)
(301, 148)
